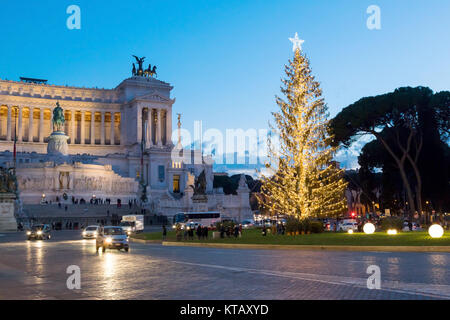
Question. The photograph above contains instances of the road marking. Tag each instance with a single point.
(428, 290)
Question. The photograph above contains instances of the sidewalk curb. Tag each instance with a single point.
(144, 241)
(310, 247)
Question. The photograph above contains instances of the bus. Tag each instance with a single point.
(196, 218)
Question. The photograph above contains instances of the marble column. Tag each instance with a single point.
(19, 125)
(8, 124)
(41, 125)
(102, 129)
(73, 134)
(149, 128)
(158, 128)
(30, 125)
(83, 129)
(140, 129)
(122, 128)
(169, 126)
(112, 129)
(92, 127)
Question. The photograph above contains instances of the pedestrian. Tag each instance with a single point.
(264, 231)
(178, 232)
(164, 233)
(236, 231)
(191, 233)
(199, 232)
(222, 231)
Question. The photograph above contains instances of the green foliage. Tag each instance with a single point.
(392, 117)
(316, 227)
(226, 224)
(294, 225)
(230, 184)
(392, 223)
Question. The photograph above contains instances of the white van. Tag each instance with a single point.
(132, 223)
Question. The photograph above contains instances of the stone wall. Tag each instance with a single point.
(7, 206)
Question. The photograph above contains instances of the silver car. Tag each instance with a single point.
(112, 238)
(90, 232)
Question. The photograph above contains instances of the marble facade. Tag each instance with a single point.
(107, 130)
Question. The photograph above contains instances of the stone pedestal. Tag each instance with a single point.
(199, 203)
(57, 144)
(7, 219)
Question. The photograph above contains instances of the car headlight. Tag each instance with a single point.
(108, 240)
(84, 233)
(95, 234)
(28, 233)
(39, 233)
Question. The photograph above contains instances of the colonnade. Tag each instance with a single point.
(32, 124)
(157, 126)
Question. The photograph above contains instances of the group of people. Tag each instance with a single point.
(229, 231)
(279, 229)
(201, 232)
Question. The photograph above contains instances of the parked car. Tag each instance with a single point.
(247, 224)
(39, 232)
(112, 238)
(90, 232)
(348, 226)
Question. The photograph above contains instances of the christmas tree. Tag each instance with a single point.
(302, 180)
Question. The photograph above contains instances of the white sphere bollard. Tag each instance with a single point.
(436, 231)
(369, 228)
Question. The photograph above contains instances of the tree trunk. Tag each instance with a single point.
(401, 166)
(412, 207)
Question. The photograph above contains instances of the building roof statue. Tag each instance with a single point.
(200, 184)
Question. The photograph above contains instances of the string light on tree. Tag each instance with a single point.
(303, 179)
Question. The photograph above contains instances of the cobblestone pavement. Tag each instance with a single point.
(37, 270)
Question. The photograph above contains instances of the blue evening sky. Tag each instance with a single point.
(225, 58)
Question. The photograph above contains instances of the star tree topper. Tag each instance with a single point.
(297, 42)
